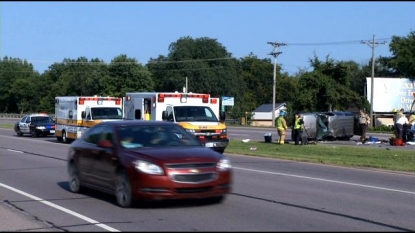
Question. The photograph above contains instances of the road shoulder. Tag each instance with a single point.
(14, 219)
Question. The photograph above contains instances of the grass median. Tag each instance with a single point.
(6, 126)
(333, 154)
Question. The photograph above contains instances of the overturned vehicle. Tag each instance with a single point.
(330, 125)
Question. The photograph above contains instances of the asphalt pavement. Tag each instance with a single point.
(14, 219)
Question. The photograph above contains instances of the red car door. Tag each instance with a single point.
(105, 160)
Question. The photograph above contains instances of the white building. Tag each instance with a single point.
(262, 116)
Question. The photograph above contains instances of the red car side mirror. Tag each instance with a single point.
(105, 144)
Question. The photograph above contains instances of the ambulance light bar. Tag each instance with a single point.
(99, 100)
(183, 97)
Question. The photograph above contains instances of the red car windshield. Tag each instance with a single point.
(155, 136)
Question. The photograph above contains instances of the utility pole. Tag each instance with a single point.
(185, 87)
(275, 55)
(373, 45)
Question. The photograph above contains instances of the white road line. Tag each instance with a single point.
(325, 180)
(96, 223)
(17, 151)
(32, 140)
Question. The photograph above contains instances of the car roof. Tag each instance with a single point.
(136, 122)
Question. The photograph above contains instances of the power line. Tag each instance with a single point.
(193, 60)
(104, 63)
(99, 71)
(190, 60)
(331, 43)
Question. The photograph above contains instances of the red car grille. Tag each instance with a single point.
(191, 165)
(194, 178)
(193, 190)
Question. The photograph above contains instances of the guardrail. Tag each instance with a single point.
(232, 122)
(17, 116)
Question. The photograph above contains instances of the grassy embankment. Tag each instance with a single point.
(342, 155)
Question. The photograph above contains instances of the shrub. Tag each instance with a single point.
(382, 128)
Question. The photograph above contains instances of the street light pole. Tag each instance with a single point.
(275, 55)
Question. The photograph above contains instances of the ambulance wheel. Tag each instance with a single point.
(64, 138)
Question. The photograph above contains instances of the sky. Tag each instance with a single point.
(47, 32)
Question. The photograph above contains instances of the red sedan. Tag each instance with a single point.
(147, 160)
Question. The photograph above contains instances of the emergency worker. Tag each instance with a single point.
(400, 122)
(364, 121)
(411, 119)
(281, 127)
(147, 116)
(397, 115)
(411, 122)
(395, 112)
(298, 128)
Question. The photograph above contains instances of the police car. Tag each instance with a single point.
(35, 125)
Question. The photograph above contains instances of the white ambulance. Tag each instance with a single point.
(74, 114)
(197, 113)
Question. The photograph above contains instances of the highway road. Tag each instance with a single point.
(8, 120)
(268, 195)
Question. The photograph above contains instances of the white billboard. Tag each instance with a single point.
(390, 93)
(227, 101)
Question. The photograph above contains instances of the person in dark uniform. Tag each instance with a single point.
(364, 121)
(298, 128)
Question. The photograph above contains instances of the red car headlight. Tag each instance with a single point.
(224, 164)
(148, 168)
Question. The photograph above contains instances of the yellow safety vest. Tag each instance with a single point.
(279, 122)
(297, 124)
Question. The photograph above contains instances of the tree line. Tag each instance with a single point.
(210, 68)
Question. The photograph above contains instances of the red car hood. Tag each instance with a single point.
(172, 154)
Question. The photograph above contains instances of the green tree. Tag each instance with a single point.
(204, 61)
(71, 77)
(329, 87)
(402, 61)
(257, 75)
(14, 70)
(23, 91)
(208, 66)
(126, 75)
